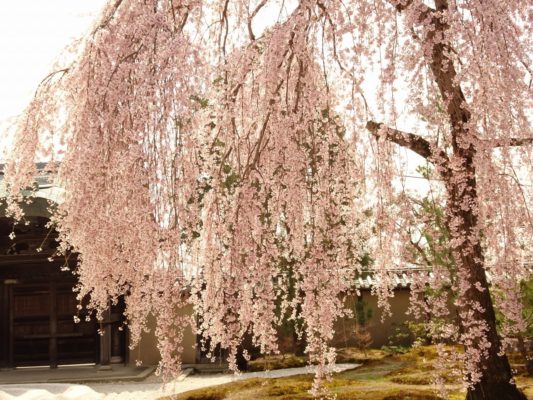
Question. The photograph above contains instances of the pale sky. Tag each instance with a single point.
(32, 35)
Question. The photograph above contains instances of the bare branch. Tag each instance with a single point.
(108, 18)
(49, 77)
(252, 16)
(414, 143)
(421, 252)
(222, 39)
(409, 140)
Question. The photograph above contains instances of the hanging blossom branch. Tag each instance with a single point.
(510, 142)
(286, 144)
(228, 185)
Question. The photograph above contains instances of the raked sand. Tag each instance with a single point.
(149, 389)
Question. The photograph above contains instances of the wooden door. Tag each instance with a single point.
(30, 325)
(42, 327)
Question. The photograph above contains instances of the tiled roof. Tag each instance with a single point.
(40, 166)
(402, 278)
(43, 180)
(44, 188)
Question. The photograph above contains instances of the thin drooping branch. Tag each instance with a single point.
(49, 77)
(512, 142)
(252, 16)
(109, 17)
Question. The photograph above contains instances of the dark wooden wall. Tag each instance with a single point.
(37, 303)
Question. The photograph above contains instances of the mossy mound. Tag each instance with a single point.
(344, 355)
(277, 362)
(382, 377)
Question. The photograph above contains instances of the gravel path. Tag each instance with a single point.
(149, 389)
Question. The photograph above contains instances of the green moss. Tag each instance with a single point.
(279, 389)
(277, 362)
(355, 355)
(373, 370)
(525, 383)
(408, 395)
(413, 379)
(419, 368)
(214, 393)
(285, 388)
(292, 390)
(344, 355)
(380, 378)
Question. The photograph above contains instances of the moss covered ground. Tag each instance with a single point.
(383, 376)
(345, 355)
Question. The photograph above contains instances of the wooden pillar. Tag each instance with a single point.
(6, 358)
(105, 339)
(11, 342)
(117, 343)
(53, 327)
(4, 323)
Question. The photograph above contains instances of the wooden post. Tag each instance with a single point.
(53, 327)
(10, 328)
(105, 340)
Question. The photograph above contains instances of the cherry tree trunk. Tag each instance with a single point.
(523, 352)
(495, 384)
(496, 380)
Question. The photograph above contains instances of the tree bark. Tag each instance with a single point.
(495, 384)
(462, 203)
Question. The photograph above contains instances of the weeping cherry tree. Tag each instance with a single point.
(202, 150)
